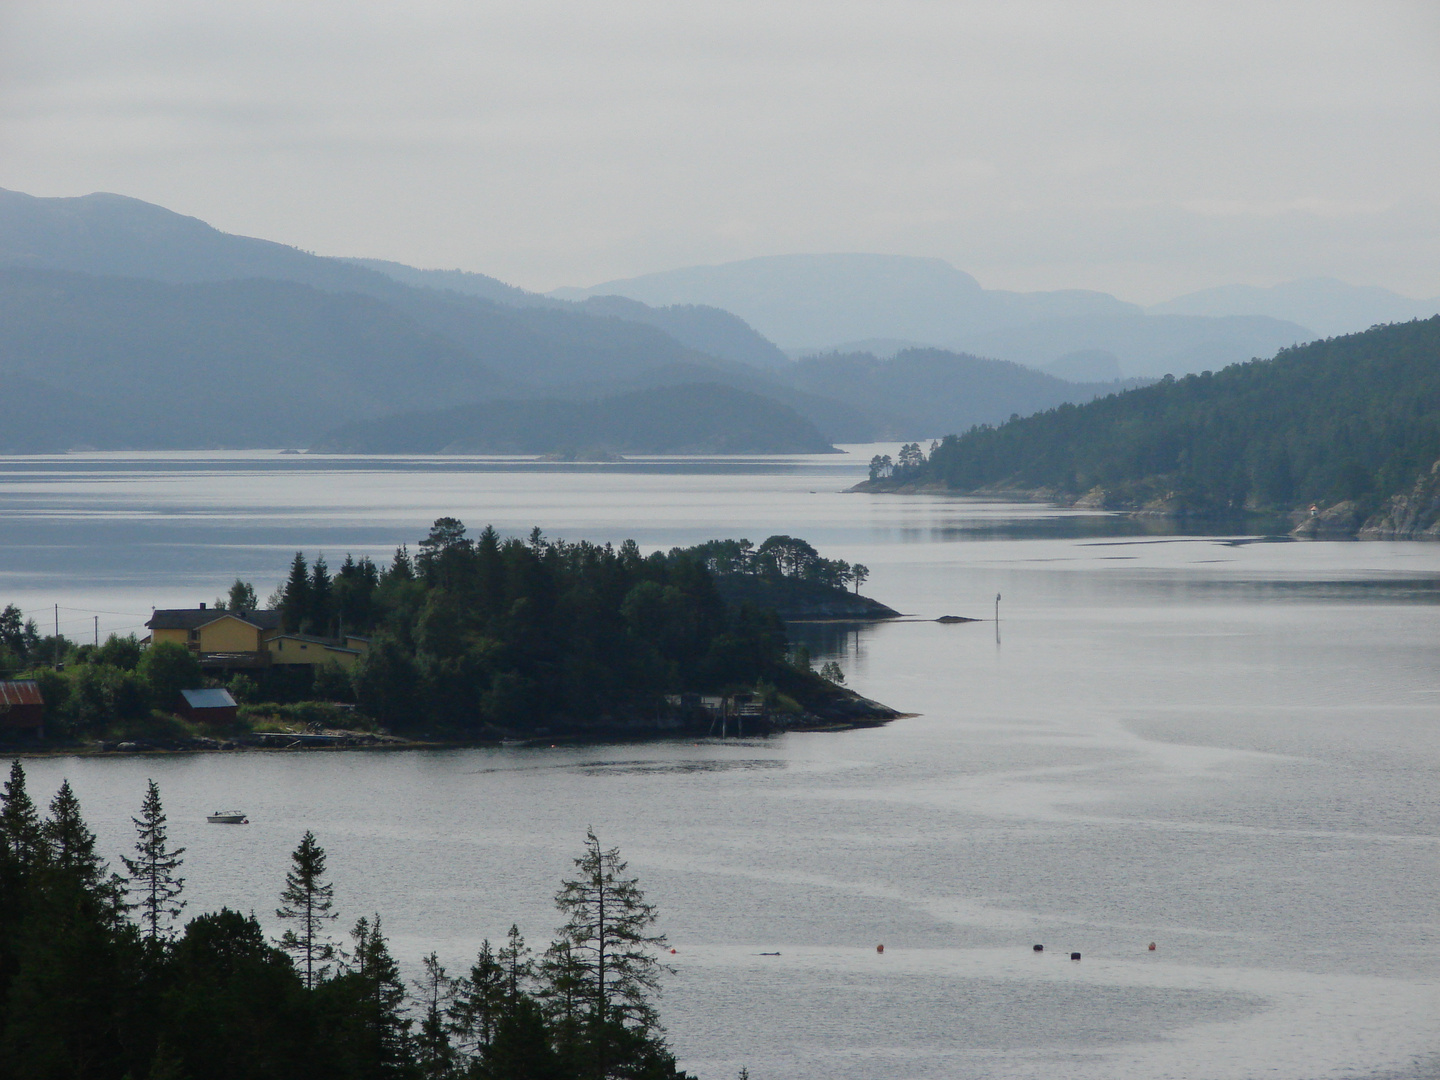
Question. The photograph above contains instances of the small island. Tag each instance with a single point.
(467, 640)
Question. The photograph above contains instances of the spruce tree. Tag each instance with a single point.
(611, 952)
(381, 999)
(309, 900)
(295, 595)
(153, 871)
(19, 821)
(480, 1000)
(435, 996)
(322, 600)
(516, 965)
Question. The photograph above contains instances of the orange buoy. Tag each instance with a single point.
(1152, 946)
(879, 948)
(672, 952)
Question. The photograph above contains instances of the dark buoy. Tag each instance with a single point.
(879, 948)
(1152, 946)
(1039, 948)
(1074, 956)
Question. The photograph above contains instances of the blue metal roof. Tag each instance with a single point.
(208, 699)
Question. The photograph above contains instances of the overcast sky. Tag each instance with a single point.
(1145, 149)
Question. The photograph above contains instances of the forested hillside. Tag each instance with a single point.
(704, 418)
(936, 391)
(1353, 420)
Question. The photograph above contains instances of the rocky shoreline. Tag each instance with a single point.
(1414, 515)
(840, 710)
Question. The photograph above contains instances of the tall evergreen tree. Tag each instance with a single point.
(384, 1028)
(70, 851)
(308, 900)
(435, 996)
(611, 951)
(322, 599)
(153, 870)
(19, 820)
(479, 1002)
(516, 964)
(295, 595)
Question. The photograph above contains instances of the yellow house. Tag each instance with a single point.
(249, 639)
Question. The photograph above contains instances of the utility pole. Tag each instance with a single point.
(57, 637)
(997, 607)
(97, 631)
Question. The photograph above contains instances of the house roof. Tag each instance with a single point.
(20, 693)
(324, 643)
(194, 618)
(208, 699)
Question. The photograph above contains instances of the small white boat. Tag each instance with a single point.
(228, 817)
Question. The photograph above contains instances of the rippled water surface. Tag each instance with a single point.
(1226, 745)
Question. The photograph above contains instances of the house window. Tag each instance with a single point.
(194, 635)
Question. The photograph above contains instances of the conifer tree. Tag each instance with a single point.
(19, 820)
(308, 899)
(153, 870)
(480, 1000)
(295, 595)
(610, 951)
(516, 964)
(382, 999)
(435, 995)
(70, 852)
(321, 597)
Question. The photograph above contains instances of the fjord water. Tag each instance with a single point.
(1223, 745)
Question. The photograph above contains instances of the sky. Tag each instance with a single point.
(1145, 149)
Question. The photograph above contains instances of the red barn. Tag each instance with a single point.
(22, 708)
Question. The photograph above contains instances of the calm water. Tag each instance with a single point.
(1229, 748)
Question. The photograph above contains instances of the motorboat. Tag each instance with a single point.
(228, 817)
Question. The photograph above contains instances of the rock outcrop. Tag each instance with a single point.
(1413, 516)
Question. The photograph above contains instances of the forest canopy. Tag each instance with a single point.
(1348, 418)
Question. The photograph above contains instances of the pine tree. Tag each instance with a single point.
(480, 1000)
(321, 597)
(382, 1000)
(516, 965)
(435, 995)
(295, 595)
(19, 820)
(70, 843)
(309, 900)
(611, 951)
(154, 870)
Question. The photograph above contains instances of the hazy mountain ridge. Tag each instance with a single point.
(257, 343)
(942, 391)
(1328, 306)
(818, 303)
(687, 419)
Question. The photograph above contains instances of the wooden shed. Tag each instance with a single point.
(208, 706)
(22, 708)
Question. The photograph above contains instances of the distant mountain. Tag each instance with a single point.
(687, 419)
(245, 363)
(704, 329)
(1327, 306)
(538, 342)
(818, 303)
(937, 391)
(1350, 424)
(1144, 345)
(164, 331)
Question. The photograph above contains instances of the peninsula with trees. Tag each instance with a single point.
(472, 639)
(1340, 436)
